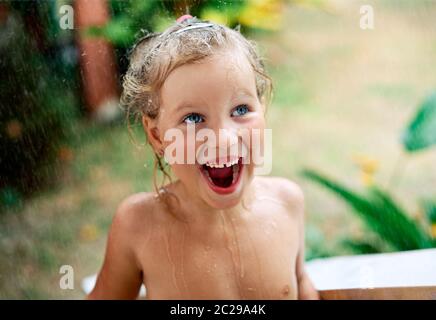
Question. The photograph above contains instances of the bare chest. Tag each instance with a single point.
(235, 261)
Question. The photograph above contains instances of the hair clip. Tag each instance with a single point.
(194, 26)
(183, 18)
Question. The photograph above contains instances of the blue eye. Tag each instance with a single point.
(240, 110)
(193, 118)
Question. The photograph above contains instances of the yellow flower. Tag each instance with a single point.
(366, 178)
(215, 16)
(88, 232)
(262, 14)
(368, 166)
(433, 230)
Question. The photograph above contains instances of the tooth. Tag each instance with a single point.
(235, 173)
(207, 175)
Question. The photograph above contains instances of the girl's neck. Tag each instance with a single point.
(194, 210)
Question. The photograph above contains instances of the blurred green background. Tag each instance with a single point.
(356, 106)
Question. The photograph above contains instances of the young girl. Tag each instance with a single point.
(217, 232)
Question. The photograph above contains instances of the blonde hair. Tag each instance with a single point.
(155, 55)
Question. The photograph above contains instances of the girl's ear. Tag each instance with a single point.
(152, 133)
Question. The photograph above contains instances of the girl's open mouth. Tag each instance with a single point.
(223, 178)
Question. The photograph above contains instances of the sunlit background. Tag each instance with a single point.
(353, 118)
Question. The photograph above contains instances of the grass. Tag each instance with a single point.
(340, 91)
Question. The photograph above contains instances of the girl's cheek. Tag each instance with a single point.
(186, 173)
(255, 120)
(256, 141)
(258, 121)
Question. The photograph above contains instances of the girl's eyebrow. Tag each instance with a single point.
(242, 93)
(236, 94)
(182, 106)
(187, 104)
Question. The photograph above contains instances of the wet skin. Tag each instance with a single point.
(254, 255)
(248, 244)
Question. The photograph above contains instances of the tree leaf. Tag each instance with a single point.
(421, 132)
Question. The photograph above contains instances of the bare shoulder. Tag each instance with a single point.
(285, 190)
(121, 274)
(135, 212)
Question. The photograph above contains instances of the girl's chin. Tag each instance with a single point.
(220, 202)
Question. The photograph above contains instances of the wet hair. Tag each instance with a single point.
(155, 55)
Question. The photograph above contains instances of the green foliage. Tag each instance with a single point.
(315, 244)
(390, 223)
(381, 214)
(430, 211)
(129, 18)
(421, 132)
(363, 246)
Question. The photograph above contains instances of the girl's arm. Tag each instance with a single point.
(306, 290)
(120, 277)
(294, 196)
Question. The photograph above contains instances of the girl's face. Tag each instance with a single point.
(217, 93)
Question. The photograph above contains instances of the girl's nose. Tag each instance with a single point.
(226, 137)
